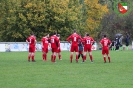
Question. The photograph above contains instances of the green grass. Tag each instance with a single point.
(17, 72)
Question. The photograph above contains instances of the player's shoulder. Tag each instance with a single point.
(102, 39)
(107, 39)
(90, 37)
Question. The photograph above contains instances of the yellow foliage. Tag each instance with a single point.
(95, 12)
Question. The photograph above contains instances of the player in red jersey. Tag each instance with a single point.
(59, 49)
(88, 42)
(54, 46)
(45, 43)
(74, 44)
(105, 43)
(31, 40)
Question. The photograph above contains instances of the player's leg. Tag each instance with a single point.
(71, 56)
(54, 56)
(84, 57)
(44, 56)
(29, 56)
(107, 52)
(71, 53)
(104, 55)
(59, 54)
(108, 57)
(42, 53)
(77, 53)
(90, 55)
(32, 56)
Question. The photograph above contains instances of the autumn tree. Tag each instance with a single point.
(95, 13)
(19, 18)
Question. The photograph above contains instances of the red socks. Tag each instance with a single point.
(76, 58)
(32, 58)
(91, 58)
(104, 59)
(59, 57)
(71, 57)
(45, 57)
(109, 59)
(84, 57)
(28, 57)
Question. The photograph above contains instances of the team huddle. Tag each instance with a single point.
(78, 44)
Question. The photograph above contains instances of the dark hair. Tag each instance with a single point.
(104, 35)
(55, 33)
(87, 34)
(58, 35)
(74, 30)
(32, 33)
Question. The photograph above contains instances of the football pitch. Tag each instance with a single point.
(17, 72)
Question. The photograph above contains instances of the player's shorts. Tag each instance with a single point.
(54, 49)
(105, 51)
(31, 49)
(87, 49)
(80, 52)
(74, 48)
(58, 50)
(45, 50)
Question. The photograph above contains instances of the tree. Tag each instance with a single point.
(19, 18)
(95, 13)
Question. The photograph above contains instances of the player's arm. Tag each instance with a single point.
(110, 43)
(101, 43)
(35, 42)
(80, 38)
(27, 41)
(92, 41)
(68, 39)
(49, 44)
(57, 42)
(83, 41)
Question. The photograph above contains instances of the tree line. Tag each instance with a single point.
(19, 17)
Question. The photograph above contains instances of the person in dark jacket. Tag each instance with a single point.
(80, 46)
(117, 43)
(127, 41)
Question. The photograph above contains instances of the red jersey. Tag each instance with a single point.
(45, 42)
(74, 38)
(58, 41)
(88, 41)
(54, 41)
(105, 43)
(32, 41)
